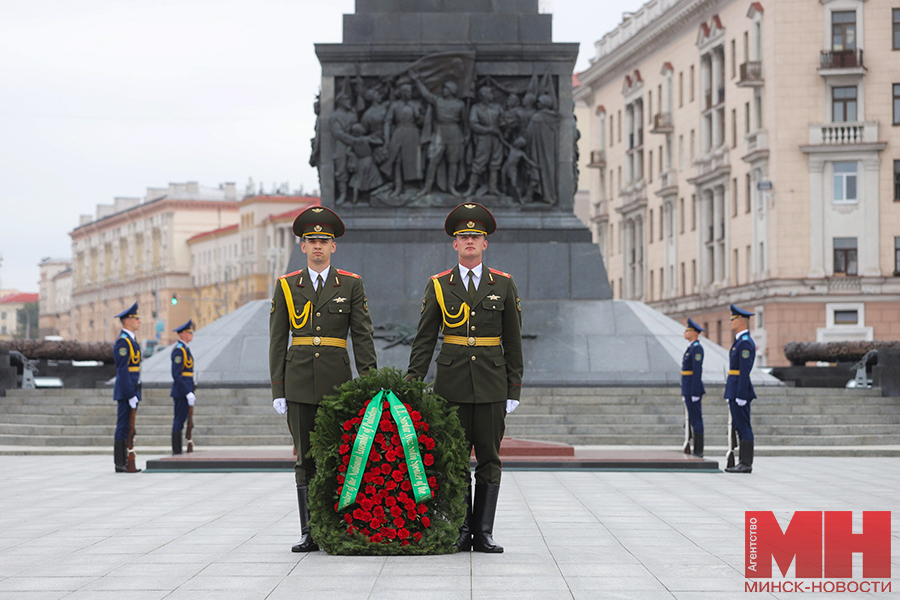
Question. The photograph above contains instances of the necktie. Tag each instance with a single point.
(472, 285)
(319, 285)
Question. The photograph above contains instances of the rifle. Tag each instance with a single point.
(190, 429)
(130, 466)
(687, 429)
(732, 440)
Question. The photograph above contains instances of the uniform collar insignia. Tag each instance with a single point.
(339, 300)
(493, 297)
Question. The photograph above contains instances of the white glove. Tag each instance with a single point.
(695, 398)
(740, 402)
(133, 401)
(511, 405)
(280, 405)
(682, 399)
(191, 398)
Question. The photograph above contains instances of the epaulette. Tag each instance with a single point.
(501, 273)
(291, 274)
(348, 273)
(441, 274)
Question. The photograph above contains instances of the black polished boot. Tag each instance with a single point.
(698, 444)
(483, 518)
(120, 453)
(746, 459)
(306, 543)
(464, 542)
(176, 442)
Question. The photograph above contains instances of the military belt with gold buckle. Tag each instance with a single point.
(134, 369)
(687, 372)
(319, 341)
(732, 372)
(458, 340)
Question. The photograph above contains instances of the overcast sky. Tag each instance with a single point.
(104, 98)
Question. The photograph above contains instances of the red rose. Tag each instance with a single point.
(424, 426)
(402, 497)
(428, 459)
(348, 426)
(379, 512)
(417, 536)
(396, 511)
(432, 481)
(366, 503)
(375, 539)
(426, 522)
(379, 438)
(390, 501)
(411, 515)
(378, 480)
(395, 440)
(357, 513)
(385, 468)
(362, 411)
(387, 405)
(422, 509)
(390, 533)
(356, 420)
(342, 468)
(340, 479)
(345, 438)
(351, 530)
(397, 476)
(348, 518)
(416, 415)
(390, 484)
(345, 459)
(402, 466)
(375, 457)
(399, 521)
(365, 532)
(340, 488)
(403, 533)
(404, 543)
(370, 490)
(406, 485)
(344, 449)
(367, 478)
(374, 523)
(429, 444)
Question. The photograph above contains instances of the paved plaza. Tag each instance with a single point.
(71, 528)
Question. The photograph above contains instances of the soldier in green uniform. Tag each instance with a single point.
(312, 311)
(480, 364)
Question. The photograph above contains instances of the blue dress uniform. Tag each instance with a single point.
(127, 356)
(182, 384)
(692, 388)
(739, 389)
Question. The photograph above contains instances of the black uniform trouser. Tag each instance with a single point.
(181, 413)
(301, 418)
(484, 425)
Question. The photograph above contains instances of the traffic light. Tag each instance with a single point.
(174, 299)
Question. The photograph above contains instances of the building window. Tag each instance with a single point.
(734, 128)
(734, 197)
(846, 317)
(897, 104)
(3, 316)
(896, 16)
(681, 207)
(897, 180)
(843, 30)
(692, 83)
(693, 212)
(843, 104)
(748, 191)
(733, 59)
(896, 256)
(612, 129)
(683, 292)
(844, 182)
(650, 222)
(680, 89)
(845, 262)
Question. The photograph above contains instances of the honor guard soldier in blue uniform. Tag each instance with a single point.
(182, 382)
(127, 391)
(480, 363)
(738, 388)
(312, 312)
(692, 389)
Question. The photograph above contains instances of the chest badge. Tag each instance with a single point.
(493, 297)
(340, 300)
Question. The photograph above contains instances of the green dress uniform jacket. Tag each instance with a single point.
(306, 373)
(468, 374)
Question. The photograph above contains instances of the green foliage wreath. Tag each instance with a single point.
(385, 520)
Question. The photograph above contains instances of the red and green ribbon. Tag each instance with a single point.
(362, 446)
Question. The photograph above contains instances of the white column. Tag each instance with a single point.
(869, 256)
(817, 203)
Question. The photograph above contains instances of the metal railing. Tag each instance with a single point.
(841, 59)
(751, 72)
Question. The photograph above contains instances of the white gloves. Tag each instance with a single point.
(740, 402)
(695, 398)
(280, 405)
(191, 398)
(511, 405)
(133, 401)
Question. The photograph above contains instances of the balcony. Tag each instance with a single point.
(662, 123)
(751, 74)
(756, 145)
(840, 134)
(668, 179)
(636, 140)
(598, 159)
(841, 62)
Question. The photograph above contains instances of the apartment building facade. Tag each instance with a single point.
(239, 263)
(749, 152)
(136, 250)
(55, 290)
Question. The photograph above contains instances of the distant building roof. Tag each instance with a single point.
(19, 298)
(213, 233)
